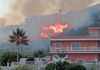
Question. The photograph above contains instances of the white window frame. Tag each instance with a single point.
(80, 60)
(99, 32)
(58, 47)
(75, 43)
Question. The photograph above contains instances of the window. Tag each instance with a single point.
(75, 46)
(58, 45)
(80, 61)
(99, 33)
(94, 34)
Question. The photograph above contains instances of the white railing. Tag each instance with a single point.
(75, 49)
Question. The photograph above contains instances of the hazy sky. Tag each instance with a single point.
(13, 12)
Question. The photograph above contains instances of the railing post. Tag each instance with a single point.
(71, 48)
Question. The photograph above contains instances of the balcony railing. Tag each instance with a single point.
(75, 49)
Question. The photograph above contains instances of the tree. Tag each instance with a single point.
(18, 37)
(62, 65)
(61, 57)
(8, 57)
(50, 66)
(76, 67)
(39, 54)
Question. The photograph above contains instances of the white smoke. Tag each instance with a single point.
(22, 9)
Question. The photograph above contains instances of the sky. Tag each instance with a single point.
(14, 12)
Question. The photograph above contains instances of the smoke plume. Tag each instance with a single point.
(23, 9)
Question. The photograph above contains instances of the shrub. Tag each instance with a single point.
(58, 66)
(76, 67)
(50, 66)
(23, 68)
(8, 57)
(92, 68)
(62, 65)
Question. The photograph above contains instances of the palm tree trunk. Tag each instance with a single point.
(17, 54)
(39, 64)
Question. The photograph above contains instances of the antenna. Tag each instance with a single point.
(60, 11)
(59, 15)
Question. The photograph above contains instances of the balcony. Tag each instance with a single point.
(75, 50)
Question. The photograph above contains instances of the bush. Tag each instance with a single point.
(8, 57)
(76, 67)
(23, 68)
(62, 65)
(50, 66)
(58, 66)
(92, 68)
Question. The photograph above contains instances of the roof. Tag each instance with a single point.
(97, 28)
(63, 37)
(69, 38)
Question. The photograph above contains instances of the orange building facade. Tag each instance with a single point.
(78, 48)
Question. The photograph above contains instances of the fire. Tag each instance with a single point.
(58, 28)
(44, 35)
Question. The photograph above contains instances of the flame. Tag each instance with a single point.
(58, 28)
(52, 28)
(44, 35)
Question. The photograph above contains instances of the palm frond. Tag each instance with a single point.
(22, 34)
(12, 41)
(12, 37)
(14, 33)
(39, 53)
(19, 37)
(35, 54)
(62, 55)
(18, 31)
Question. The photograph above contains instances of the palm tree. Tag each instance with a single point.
(39, 54)
(18, 37)
(61, 57)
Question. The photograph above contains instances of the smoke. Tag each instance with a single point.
(23, 9)
(95, 2)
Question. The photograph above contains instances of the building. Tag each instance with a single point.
(78, 48)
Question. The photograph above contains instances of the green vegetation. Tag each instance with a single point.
(76, 67)
(23, 68)
(61, 56)
(64, 66)
(19, 38)
(8, 57)
(39, 54)
(50, 66)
